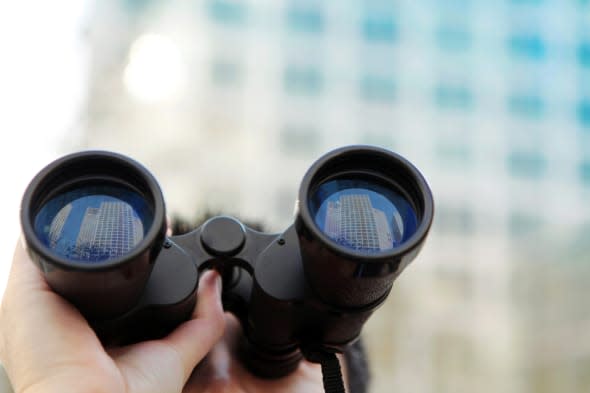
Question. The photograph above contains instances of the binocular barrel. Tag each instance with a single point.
(94, 223)
(363, 215)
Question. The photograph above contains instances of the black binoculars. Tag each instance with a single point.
(95, 224)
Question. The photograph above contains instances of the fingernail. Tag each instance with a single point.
(218, 283)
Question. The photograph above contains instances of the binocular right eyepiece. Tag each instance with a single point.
(94, 223)
(364, 216)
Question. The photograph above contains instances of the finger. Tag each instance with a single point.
(193, 339)
(24, 276)
(28, 305)
(165, 365)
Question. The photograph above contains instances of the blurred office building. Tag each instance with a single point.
(228, 103)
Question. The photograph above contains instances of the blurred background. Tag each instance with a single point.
(229, 102)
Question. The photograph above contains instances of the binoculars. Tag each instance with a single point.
(94, 223)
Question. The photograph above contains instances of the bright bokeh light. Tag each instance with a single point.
(155, 71)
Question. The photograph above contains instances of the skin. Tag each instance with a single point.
(47, 346)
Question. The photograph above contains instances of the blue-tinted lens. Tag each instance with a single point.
(362, 215)
(94, 223)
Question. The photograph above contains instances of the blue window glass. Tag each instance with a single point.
(531, 46)
(225, 73)
(452, 37)
(584, 54)
(453, 97)
(375, 88)
(527, 2)
(136, 6)
(309, 20)
(379, 28)
(303, 80)
(527, 164)
(461, 5)
(584, 172)
(226, 11)
(584, 113)
(531, 106)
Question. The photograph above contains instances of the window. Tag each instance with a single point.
(527, 164)
(526, 105)
(527, 2)
(529, 46)
(376, 88)
(303, 80)
(453, 37)
(379, 28)
(448, 96)
(136, 6)
(309, 20)
(584, 113)
(227, 11)
(584, 54)
(584, 172)
(460, 5)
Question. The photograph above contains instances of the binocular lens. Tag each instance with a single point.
(362, 215)
(93, 223)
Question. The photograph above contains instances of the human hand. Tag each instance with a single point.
(47, 346)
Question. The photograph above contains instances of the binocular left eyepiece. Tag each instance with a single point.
(94, 223)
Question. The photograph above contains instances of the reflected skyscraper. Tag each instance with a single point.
(354, 222)
(108, 231)
(57, 225)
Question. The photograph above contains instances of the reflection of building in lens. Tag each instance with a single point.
(354, 222)
(108, 231)
(397, 224)
(57, 225)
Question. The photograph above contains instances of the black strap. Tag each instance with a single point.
(331, 373)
